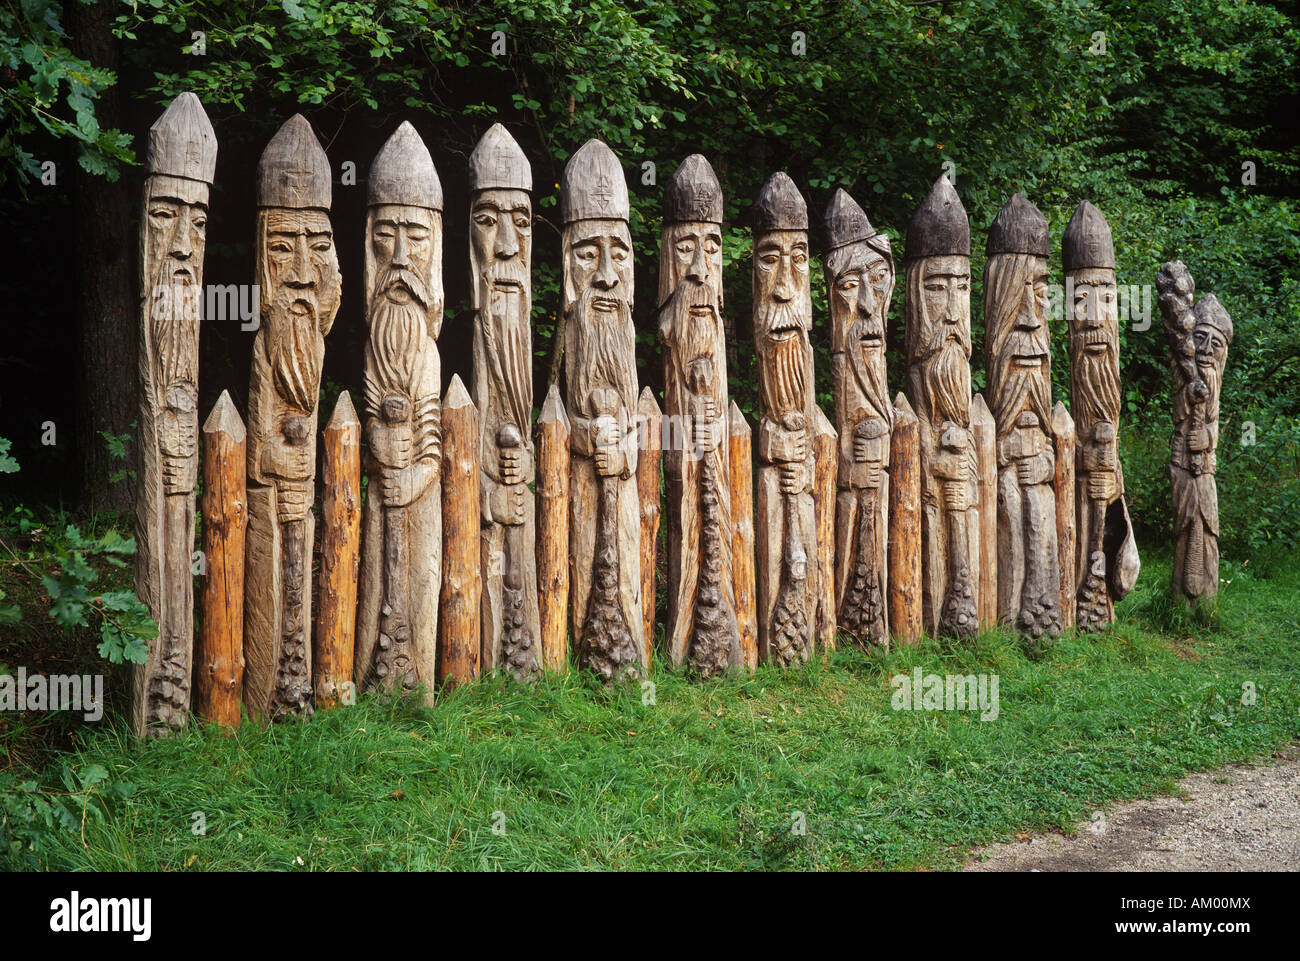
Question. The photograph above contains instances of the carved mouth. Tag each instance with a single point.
(1029, 360)
(182, 273)
(701, 310)
(604, 304)
(300, 308)
(870, 339)
(507, 284)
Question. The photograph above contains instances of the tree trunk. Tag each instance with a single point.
(103, 222)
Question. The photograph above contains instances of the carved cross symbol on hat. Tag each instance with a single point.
(193, 156)
(603, 192)
(787, 209)
(501, 162)
(701, 202)
(299, 181)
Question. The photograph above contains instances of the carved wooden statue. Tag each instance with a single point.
(182, 159)
(1107, 558)
(298, 274)
(786, 545)
(937, 277)
(702, 626)
(600, 375)
(1019, 390)
(1198, 337)
(859, 285)
(500, 252)
(401, 559)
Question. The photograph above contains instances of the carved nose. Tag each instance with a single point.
(507, 245)
(182, 245)
(606, 278)
(401, 257)
(699, 269)
(299, 272)
(866, 300)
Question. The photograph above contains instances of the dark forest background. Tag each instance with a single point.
(1175, 118)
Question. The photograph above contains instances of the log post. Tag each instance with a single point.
(458, 645)
(986, 458)
(741, 465)
(905, 611)
(553, 530)
(649, 489)
(826, 463)
(1063, 482)
(336, 620)
(219, 683)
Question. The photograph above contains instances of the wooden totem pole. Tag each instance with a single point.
(1198, 350)
(1107, 558)
(300, 283)
(702, 626)
(182, 159)
(937, 278)
(500, 252)
(1018, 362)
(600, 376)
(786, 545)
(401, 559)
(860, 284)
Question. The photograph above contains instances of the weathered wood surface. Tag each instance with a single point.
(601, 378)
(701, 630)
(402, 526)
(501, 231)
(340, 555)
(905, 610)
(181, 161)
(986, 458)
(219, 656)
(553, 530)
(1108, 561)
(299, 300)
(458, 646)
(786, 536)
(1063, 487)
(1199, 337)
(649, 490)
(825, 443)
(741, 465)
(938, 342)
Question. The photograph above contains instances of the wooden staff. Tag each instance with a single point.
(220, 657)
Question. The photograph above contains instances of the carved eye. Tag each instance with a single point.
(963, 285)
(523, 222)
(769, 259)
(712, 245)
(163, 213)
(485, 220)
(686, 246)
(848, 283)
(384, 233)
(800, 258)
(417, 236)
(280, 247)
(936, 287)
(619, 254)
(321, 245)
(586, 253)
(200, 223)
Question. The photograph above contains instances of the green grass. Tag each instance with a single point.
(710, 776)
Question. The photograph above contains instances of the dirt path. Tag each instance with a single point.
(1237, 818)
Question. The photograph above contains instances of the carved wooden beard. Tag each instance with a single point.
(606, 347)
(505, 331)
(398, 330)
(941, 352)
(784, 353)
(1095, 377)
(694, 337)
(1210, 367)
(292, 349)
(1013, 386)
(175, 290)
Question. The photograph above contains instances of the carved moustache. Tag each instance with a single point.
(291, 347)
(787, 360)
(404, 277)
(176, 309)
(505, 273)
(694, 330)
(946, 376)
(606, 343)
(941, 336)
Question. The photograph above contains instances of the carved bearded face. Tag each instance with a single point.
(691, 290)
(938, 333)
(1211, 356)
(782, 319)
(1094, 345)
(501, 244)
(301, 286)
(861, 282)
(1015, 314)
(598, 290)
(403, 247)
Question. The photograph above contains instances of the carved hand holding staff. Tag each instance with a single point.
(500, 251)
(938, 339)
(1198, 350)
(786, 539)
(860, 284)
(182, 159)
(702, 626)
(600, 375)
(401, 560)
(1108, 559)
(300, 285)
(1018, 362)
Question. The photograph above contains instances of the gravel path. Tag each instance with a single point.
(1236, 818)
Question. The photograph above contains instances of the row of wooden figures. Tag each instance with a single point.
(934, 511)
